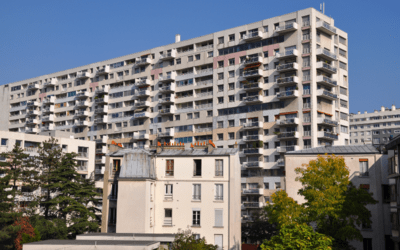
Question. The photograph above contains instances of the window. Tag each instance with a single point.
(219, 241)
(190, 58)
(209, 113)
(220, 39)
(231, 61)
(266, 54)
(220, 100)
(220, 76)
(197, 57)
(196, 192)
(189, 115)
(231, 73)
(197, 168)
(219, 168)
(220, 88)
(220, 137)
(178, 61)
(177, 117)
(168, 217)
(196, 218)
(232, 38)
(231, 123)
(196, 115)
(218, 217)
(219, 192)
(266, 185)
(277, 185)
(266, 158)
(169, 171)
(231, 136)
(231, 86)
(367, 244)
(231, 98)
(386, 193)
(4, 142)
(363, 167)
(210, 53)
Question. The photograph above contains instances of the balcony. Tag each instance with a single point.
(254, 59)
(47, 110)
(83, 94)
(140, 104)
(142, 82)
(252, 86)
(167, 78)
(32, 113)
(100, 160)
(82, 75)
(287, 54)
(168, 55)
(280, 163)
(252, 205)
(325, 27)
(287, 67)
(48, 100)
(326, 54)
(101, 150)
(253, 36)
(99, 100)
(168, 89)
(167, 100)
(48, 127)
(253, 73)
(327, 135)
(284, 149)
(327, 122)
(81, 123)
(102, 110)
(32, 104)
(252, 164)
(51, 82)
(104, 71)
(31, 130)
(247, 218)
(104, 119)
(102, 90)
(167, 111)
(139, 136)
(326, 68)
(32, 121)
(253, 99)
(326, 81)
(288, 94)
(253, 151)
(81, 104)
(286, 81)
(33, 86)
(326, 94)
(287, 121)
(166, 134)
(253, 191)
(253, 125)
(286, 28)
(102, 140)
(253, 138)
(48, 118)
(143, 93)
(143, 61)
(142, 115)
(81, 113)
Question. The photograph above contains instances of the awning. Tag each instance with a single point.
(289, 113)
(252, 66)
(324, 113)
(145, 54)
(304, 112)
(139, 110)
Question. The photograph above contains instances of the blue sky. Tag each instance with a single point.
(42, 37)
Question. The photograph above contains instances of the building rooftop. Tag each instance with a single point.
(93, 242)
(350, 149)
(393, 142)
(198, 152)
(125, 234)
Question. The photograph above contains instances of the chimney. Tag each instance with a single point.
(393, 107)
(358, 112)
(177, 38)
(365, 112)
(382, 108)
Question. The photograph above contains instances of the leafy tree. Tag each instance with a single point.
(49, 229)
(185, 240)
(297, 236)
(26, 233)
(260, 229)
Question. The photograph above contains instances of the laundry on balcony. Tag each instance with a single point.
(252, 66)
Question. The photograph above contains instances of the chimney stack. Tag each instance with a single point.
(365, 112)
(393, 107)
(382, 108)
(358, 112)
(177, 38)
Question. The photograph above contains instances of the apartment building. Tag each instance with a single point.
(273, 86)
(174, 188)
(369, 170)
(30, 144)
(376, 127)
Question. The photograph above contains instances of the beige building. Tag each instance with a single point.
(172, 188)
(272, 86)
(368, 169)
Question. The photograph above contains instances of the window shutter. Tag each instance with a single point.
(218, 218)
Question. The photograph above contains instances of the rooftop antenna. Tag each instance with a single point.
(322, 7)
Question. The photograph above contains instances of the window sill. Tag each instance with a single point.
(196, 226)
(218, 176)
(196, 176)
(218, 201)
(167, 225)
(168, 176)
(168, 200)
(218, 227)
(196, 200)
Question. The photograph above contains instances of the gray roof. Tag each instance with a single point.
(338, 150)
(128, 150)
(125, 234)
(198, 152)
(94, 242)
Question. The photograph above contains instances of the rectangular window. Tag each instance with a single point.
(218, 218)
(219, 168)
(168, 217)
(169, 171)
(196, 218)
(168, 191)
(220, 40)
(196, 192)
(219, 192)
(364, 167)
(367, 244)
(4, 142)
(197, 168)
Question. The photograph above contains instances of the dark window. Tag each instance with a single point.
(367, 244)
(197, 168)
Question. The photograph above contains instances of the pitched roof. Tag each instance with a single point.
(198, 152)
(349, 149)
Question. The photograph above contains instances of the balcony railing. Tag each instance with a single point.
(252, 73)
(326, 27)
(286, 53)
(255, 98)
(286, 27)
(285, 80)
(287, 135)
(205, 82)
(326, 53)
(252, 35)
(287, 66)
(289, 93)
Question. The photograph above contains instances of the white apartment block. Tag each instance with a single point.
(174, 188)
(273, 86)
(375, 128)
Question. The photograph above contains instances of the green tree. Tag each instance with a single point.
(297, 236)
(258, 230)
(185, 240)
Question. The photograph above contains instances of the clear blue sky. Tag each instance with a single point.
(42, 37)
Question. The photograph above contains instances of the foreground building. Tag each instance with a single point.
(375, 128)
(273, 86)
(368, 169)
(172, 188)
